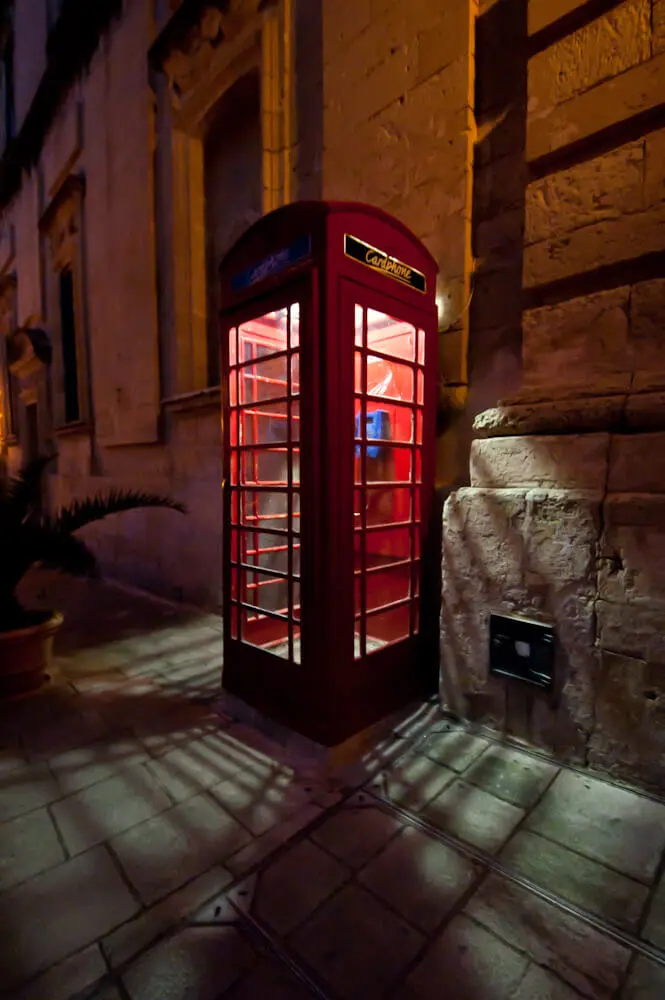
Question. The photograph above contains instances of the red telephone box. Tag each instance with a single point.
(329, 362)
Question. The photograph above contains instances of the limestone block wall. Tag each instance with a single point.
(398, 132)
(565, 514)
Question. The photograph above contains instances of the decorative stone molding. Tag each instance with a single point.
(61, 223)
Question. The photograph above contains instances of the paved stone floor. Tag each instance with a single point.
(152, 845)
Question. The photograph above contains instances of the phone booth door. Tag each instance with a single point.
(388, 427)
(262, 468)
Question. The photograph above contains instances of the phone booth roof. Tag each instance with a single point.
(352, 239)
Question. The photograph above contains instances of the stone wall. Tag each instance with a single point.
(565, 515)
(398, 132)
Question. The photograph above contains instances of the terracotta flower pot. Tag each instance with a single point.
(25, 655)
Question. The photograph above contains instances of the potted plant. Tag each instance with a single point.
(28, 537)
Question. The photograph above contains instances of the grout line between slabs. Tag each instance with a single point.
(621, 937)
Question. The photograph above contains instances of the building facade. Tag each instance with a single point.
(521, 140)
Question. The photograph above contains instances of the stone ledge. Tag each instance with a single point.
(639, 411)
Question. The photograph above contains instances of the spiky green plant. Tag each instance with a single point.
(28, 536)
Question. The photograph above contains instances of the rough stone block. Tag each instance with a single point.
(598, 245)
(589, 962)
(579, 880)
(69, 978)
(633, 630)
(550, 126)
(571, 462)
(572, 416)
(637, 463)
(603, 188)
(647, 323)
(629, 733)
(544, 12)
(440, 43)
(603, 49)
(633, 552)
(612, 825)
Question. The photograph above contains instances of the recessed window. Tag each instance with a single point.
(68, 347)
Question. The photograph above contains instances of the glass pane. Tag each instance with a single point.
(294, 319)
(270, 593)
(295, 420)
(389, 379)
(234, 622)
(295, 374)
(359, 385)
(261, 548)
(421, 347)
(269, 466)
(233, 387)
(264, 380)
(296, 558)
(268, 633)
(264, 335)
(385, 423)
(391, 336)
(267, 509)
(421, 391)
(385, 464)
(388, 586)
(265, 424)
(385, 506)
(419, 426)
(387, 545)
(359, 313)
(234, 464)
(388, 626)
(296, 643)
(233, 428)
(296, 600)
(233, 346)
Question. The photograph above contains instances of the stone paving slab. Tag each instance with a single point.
(473, 815)
(590, 885)
(286, 894)
(583, 958)
(221, 962)
(511, 775)
(59, 912)
(357, 833)
(609, 824)
(30, 845)
(420, 878)
(654, 929)
(67, 979)
(95, 814)
(645, 982)
(456, 748)
(162, 853)
(466, 957)
(356, 945)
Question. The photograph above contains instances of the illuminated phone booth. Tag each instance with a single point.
(329, 361)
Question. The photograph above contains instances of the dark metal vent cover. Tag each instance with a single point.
(523, 649)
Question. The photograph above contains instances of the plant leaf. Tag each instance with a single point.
(82, 512)
(59, 550)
